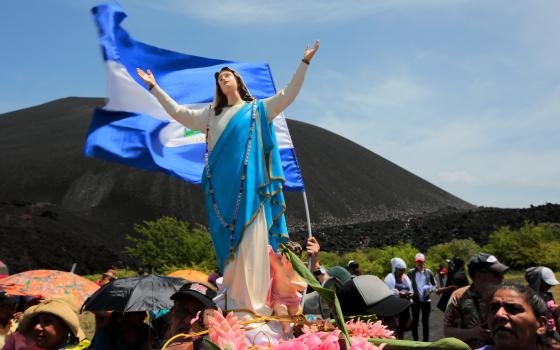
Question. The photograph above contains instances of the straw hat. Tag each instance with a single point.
(110, 273)
(55, 307)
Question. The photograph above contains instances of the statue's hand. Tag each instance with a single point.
(147, 77)
(310, 52)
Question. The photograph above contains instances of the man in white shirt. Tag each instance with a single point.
(423, 283)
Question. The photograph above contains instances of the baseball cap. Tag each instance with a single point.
(110, 273)
(548, 277)
(341, 274)
(534, 275)
(486, 263)
(419, 257)
(202, 293)
(367, 294)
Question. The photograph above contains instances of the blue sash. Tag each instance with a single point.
(263, 184)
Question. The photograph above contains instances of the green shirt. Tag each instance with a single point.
(466, 309)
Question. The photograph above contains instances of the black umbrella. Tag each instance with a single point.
(140, 293)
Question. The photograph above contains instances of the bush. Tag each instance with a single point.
(373, 261)
(461, 248)
(380, 259)
(168, 243)
(530, 245)
(330, 259)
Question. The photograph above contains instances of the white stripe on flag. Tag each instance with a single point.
(126, 95)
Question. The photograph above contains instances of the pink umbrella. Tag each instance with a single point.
(49, 284)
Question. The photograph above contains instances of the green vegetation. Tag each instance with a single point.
(462, 248)
(168, 244)
(531, 245)
(374, 261)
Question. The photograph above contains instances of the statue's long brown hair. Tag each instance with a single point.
(220, 101)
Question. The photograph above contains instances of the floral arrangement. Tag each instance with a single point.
(226, 333)
(369, 329)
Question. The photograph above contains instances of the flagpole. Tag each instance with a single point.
(309, 235)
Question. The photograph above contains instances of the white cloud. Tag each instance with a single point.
(243, 12)
(395, 91)
(460, 177)
(539, 31)
(504, 155)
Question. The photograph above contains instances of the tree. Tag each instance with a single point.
(167, 242)
(530, 245)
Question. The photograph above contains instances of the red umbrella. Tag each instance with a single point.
(49, 284)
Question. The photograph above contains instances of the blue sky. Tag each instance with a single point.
(465, 94)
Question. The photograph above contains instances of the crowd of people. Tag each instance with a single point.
(486, 313)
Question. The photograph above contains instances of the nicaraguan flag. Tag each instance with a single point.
(133, 129)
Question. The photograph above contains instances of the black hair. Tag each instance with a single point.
(535, 301)
(538, 305)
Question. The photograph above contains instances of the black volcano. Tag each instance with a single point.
(57, 206)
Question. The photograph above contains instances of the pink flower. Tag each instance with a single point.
(293, 344)
(311, 340)
(226, 332)
(369, 330)
(551, 305)
(196, 318)
(330, 341)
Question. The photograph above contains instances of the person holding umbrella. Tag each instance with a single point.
(129, 300)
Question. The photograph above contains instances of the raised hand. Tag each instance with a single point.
(310, 52)
(312, 247)
(147, 77)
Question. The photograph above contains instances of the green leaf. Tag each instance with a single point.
(328, 295)
(442, 344)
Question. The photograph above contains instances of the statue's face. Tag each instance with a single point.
(227, 82)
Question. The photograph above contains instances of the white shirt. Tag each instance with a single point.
(422, 284)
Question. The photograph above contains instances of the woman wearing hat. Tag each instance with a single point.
(398, 281)
(107, 277)
(242, 179)
(53, 325)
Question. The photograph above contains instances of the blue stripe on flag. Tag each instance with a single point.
(292, 173)
(133, 139)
